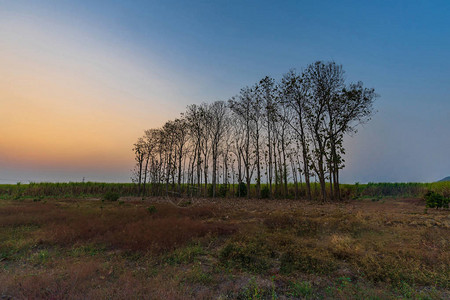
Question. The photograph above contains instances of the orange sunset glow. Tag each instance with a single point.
(224, 149)
(66, 102)
(81, 82)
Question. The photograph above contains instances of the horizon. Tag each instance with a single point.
(8, 182)
(81, 81)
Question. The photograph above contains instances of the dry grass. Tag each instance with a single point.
(129, 227)
(224, 249)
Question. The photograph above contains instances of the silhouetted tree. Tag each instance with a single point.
(283, 131)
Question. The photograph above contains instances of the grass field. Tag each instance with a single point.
(95, 189)
(64, 248)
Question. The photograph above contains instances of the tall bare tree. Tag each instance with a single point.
(219, 125)
(290, 129)
(241, 106)
(139, 154)
(294, 94)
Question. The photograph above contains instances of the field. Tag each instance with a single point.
(98, 189)
(71, 247)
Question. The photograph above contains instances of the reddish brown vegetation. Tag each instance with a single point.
(228, 248)
(133, 228)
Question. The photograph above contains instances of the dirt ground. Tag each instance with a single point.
(223, 249)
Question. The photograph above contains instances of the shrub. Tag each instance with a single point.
(37, 199)
(265, 192)
(151, 209)
(436, 200)
(210, 190)
(242, 190)
(223, 191)
(111, 196)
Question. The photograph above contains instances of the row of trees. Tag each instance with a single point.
(272, 132)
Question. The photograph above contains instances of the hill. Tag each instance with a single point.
(445, 179)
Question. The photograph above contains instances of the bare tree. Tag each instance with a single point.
(180, 131)
(267, 93)
(257, 117)
(291, 129)
(352, 106)
(294, 93)
(139, 154)
(219, 126)
(241, 106)
(194, 118)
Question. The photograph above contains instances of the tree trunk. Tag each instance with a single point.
(145, 175)
(270, 170)
(283, 151)
(141, 158)
(214, 173)
(258, 168)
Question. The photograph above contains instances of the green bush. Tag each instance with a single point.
(265, 192)
(436, 200)
(151, 209)
(222, 191)
(242, 190)
(111, 196)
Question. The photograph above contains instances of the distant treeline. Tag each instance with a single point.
(412, 189)
(69, 189)
(96, 189)
(272, 134)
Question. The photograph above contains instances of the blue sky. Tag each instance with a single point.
(152, 58)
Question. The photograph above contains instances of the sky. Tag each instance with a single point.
(81, 80)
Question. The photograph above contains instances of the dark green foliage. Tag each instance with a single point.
(151, 209)
(265, 192)
(111, 196)
(392, 189)
(242, 190)
(38, 199)
(98, 189)
(436, 200)
(210, 190)
(69, 189)
(222, 191)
